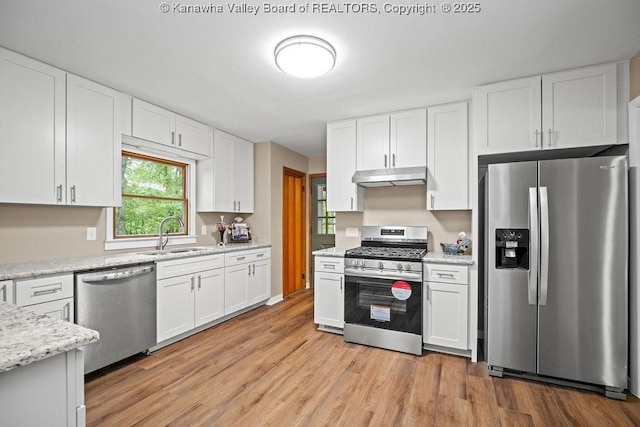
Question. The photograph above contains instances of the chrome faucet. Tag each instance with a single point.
(163, 242)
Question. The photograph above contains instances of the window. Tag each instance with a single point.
(152, 189)
(326, 219)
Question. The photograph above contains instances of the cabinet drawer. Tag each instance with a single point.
(242, 257)
(446, 273)
(329, 265)
(190, 265)
(43, 289)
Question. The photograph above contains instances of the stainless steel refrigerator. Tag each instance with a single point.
(556, 271)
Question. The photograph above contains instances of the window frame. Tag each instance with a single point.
(115, 243)
(324, 217)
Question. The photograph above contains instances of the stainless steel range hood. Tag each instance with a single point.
(390, 177)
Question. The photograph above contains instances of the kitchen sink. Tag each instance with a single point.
(170, 251)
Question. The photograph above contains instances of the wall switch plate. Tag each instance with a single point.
(203, 230)
(351, 232)
(91, 233)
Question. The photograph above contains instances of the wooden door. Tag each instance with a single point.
(294, 242)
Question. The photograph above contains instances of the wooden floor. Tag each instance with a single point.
(272, 367)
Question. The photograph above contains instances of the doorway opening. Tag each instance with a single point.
(294, 242)
(322, 233)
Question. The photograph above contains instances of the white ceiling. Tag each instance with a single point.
(218, 67)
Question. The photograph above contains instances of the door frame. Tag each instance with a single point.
(310, 236)
(303, 206)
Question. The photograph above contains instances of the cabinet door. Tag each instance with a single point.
(60, 309)
(446, 315)
(342, 194)
(175, 301)
(93, 143)
(509, 116)
(372, 147)
(192, 136)
(236, 287)
(209, 299)
(153, 123)
(409, 139)
(260, 282)
(448, 170)
(580, 107)
(224, 149)
(328, 304)
(244, 176)
(32, 131)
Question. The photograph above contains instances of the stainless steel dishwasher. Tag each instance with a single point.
(120, 304)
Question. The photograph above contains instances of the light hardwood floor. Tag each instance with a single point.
(272, 367)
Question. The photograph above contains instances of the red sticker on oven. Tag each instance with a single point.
(401, 290)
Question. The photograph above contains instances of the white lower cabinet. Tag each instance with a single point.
(190, 294)
(50, 295)
(247, 279)
(328, 292)
(446, 306)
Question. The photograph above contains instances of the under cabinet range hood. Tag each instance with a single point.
(390, 177)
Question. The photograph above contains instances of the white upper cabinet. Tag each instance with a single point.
(93, 144)
(408, 141)
(156, 124)
(579, 107)
(576, 108)
(509, 116)
(225, 182)
(448, 157)
(342, 194)
(394, 140)
(59, 136)
(372, 145)
(32, 131)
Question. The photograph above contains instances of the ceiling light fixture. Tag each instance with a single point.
(305, 56)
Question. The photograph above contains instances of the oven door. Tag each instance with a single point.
(383, 303)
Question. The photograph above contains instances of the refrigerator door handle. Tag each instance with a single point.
(544, 245)
(533, 254)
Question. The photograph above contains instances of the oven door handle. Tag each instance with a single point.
(376, 275)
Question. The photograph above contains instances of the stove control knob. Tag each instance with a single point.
(380, 265)
(362, 263)
(399, 267)
(407, 267)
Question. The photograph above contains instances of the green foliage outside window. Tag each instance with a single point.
(152, 189)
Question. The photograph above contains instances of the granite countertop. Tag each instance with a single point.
(441, 258)
(29, 269)
(335, 252)
(27, 337)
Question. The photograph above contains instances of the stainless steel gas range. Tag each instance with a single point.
(383, 288)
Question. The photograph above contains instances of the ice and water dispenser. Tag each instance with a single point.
(512, 248)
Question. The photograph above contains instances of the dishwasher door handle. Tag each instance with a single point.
(117, 275)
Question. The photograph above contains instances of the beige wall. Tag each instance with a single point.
(634, 71)
(403, 206)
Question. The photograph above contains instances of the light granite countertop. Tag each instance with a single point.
(435, 257)
(29, 269)
(27, 337)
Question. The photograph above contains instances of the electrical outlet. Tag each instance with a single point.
(203, 230)
(91, 233)
(351, 232)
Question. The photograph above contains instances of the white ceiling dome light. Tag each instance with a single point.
(305, 56)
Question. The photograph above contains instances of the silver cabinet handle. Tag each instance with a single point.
(173, 138)
(234, 205)
(433, 200)
(179, 140)
(333, 266)
(199, 282)
(254, 269)
(352, 203)
(73, 194)
(249, 270)
(4, 293)
(239, 208)
(240, 258)
(66, 312)
(550, 143)
(59, 193)
(259, 255)
(446, 275)
(535, 237)
(537, 133)
(341, 278)
(47, 291)
(385, 160)
(544, 245)
(394, 160)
